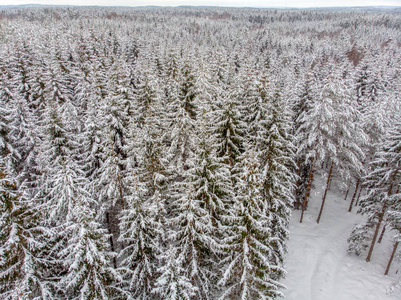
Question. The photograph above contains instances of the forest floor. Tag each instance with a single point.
(318, 265)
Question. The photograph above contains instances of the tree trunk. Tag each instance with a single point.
(307, 190)
(359, 196)
(120, 188)
(346, 194)
(353, 196)
(381, 234)
(325, 193)
(379, 222)
(381, 216)
(111, 239)
(297, 204)
(391, 258)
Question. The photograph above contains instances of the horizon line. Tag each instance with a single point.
(205, 6)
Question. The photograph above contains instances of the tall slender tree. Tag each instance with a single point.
(249, 271)
(276, 157)
(382, 183)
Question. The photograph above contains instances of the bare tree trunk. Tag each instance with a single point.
(391, 258)
(325, 193)
(120, 188)
(353, 196)
(359, 196)
(111, 239)
(346, 194)
(379, 222)
(297, 204)
(381, 216)
(307, 190)
(381, 234)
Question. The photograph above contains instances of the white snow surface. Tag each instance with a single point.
(318, 264)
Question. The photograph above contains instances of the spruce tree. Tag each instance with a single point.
(229, 130)
(200, 214)
(302, 104)
(86, 257)
(193, 238)
(250, 273)
(181, 116)
(277, 166)
(173, 283)
(141, 233)
(23, 268)
(114, 117)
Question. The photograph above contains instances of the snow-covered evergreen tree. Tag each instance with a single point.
(329, 128)
(182, 115)
(193, 238)
(382, 183)
(250, 270)
(173, 283)
(86, 257)
(23, 270)
(229, 130)
(210, 177)
(142, 235)
(200, 212)
(114, 118)
(328, 131)
(360, 237)
(303, 103)
(276, 157)
(58, 167)
(146, 95)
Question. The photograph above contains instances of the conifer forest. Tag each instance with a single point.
(158, 153)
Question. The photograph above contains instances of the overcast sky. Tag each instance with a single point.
(232, 3)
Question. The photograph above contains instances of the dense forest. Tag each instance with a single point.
(157, 153)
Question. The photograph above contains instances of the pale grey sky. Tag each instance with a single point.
(231, 3)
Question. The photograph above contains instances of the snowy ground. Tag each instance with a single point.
(318, 265)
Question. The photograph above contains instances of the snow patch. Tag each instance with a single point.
(318, 264)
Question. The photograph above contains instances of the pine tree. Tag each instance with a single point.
(22, 64)
(142, 222)
(360, 237)
(24, 135)
(110, 188)
(210, 177)
(229, 125)
(248, 100)
(57, 166)
(7, 150)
